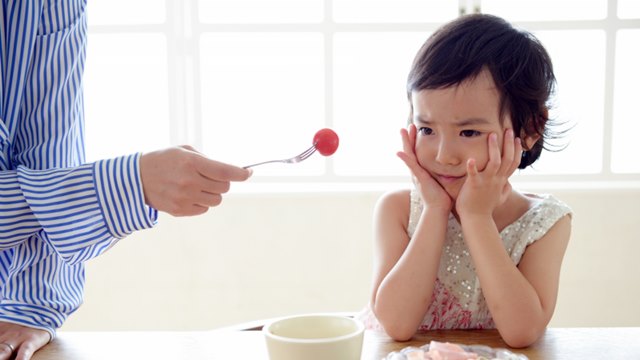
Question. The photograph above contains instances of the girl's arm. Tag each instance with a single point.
(521, 299)
(405, 271)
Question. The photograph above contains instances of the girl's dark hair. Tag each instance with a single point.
(517, 61)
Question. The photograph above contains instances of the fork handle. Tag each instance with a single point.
(261, 163)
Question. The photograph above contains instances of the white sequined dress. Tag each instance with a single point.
(457, 301)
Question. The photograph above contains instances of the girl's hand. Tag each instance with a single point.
(432, 194)
(484, 191)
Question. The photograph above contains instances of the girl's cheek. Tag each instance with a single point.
(422, 154)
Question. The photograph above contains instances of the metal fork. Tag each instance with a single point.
(296, 159)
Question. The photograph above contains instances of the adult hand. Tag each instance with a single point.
(183, 182)
(485, 190)
(20, 341)
(432, 193)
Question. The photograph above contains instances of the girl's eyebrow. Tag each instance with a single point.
(472, 121)
(458, 123)
(418, 119)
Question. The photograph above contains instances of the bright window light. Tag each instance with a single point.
(130, 12)
(261, 11)
(245, 81)
(126, 95)
(629, 9)
(263, 97)
(626, 124)
(370, 100)
(546, 10)
(394, 11)
(579, 101)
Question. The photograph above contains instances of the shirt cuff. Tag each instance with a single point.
(121, 197)
(32, 316)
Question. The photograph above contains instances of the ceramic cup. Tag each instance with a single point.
(314, 337)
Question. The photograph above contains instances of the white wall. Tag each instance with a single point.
(265, 255)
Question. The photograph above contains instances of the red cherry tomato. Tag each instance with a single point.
(326, 141)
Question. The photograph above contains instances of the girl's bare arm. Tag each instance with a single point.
(405, 271)
(521, 299)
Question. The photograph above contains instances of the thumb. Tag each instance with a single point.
(220, 171)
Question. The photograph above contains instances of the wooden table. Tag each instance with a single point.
(557, 343)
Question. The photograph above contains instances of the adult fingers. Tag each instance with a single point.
(25, 352)
(209, 199)
(6, 350)
(215, 186)
(219, 171)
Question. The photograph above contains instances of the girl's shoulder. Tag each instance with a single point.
(543, 212)
(394, 203)
(395, 197)
(546, 202)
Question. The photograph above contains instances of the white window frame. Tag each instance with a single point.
(183, 29)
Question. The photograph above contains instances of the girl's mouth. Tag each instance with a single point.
(448, 179)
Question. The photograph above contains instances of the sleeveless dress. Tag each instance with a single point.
(458, 302)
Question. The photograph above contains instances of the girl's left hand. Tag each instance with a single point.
(483, 191)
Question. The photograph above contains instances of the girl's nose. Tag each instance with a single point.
(447, 153)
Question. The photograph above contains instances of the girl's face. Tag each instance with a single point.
(453, 125)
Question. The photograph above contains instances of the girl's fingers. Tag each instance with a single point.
(517, 156)
(507, 151)
(472, 169)
(412, 164)
(494, 155)
(408, 139)
(406, 142)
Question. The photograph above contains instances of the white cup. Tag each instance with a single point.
(314, 337)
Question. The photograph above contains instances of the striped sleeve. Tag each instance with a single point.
(83, 211)
(53, 221)
(56, 211)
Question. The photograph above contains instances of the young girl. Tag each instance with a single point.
(463, 249)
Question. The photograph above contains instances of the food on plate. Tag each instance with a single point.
(448, 351)
(326, 141)
(436, 350)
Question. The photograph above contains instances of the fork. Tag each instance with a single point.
(296, 159)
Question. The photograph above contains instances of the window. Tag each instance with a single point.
(250, 80)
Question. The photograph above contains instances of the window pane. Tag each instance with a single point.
(263, 98)
(117, 12)
(579, 101)
(626, 121)
(370, 75)
(533, 10)
(126, 94)
(400, 11)
(628, 9)
(261, 11)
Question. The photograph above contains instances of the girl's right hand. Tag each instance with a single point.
(432, 193)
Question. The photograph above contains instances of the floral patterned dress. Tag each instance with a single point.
(458, 302)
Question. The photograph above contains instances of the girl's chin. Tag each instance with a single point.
(452, 189)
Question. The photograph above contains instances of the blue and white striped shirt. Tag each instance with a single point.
(55, 211)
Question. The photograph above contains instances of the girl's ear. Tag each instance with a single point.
(528, 140)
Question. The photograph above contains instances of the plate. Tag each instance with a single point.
(483, 352)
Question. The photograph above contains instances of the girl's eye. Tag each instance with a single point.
(469, 133)
(425, 131)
